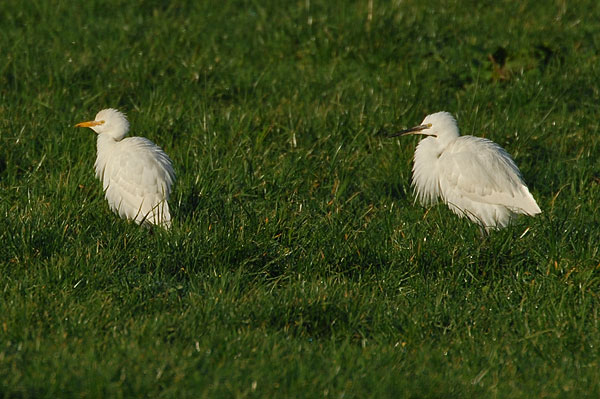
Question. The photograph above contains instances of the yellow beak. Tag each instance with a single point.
(89, 124)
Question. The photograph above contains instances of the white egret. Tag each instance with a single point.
(474, 176)
(136, 174)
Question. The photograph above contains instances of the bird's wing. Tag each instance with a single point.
(138, 180)
(484, 172)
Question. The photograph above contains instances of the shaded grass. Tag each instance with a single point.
(298, 264)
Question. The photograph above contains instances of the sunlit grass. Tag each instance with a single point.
(298, 264)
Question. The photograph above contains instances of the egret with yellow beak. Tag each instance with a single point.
(136, 174)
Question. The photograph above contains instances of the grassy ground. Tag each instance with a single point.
(298, 264)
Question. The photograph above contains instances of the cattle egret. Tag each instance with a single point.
(474, 176)
(136, 174)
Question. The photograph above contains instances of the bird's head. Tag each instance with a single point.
(108, 121)
(440, 125)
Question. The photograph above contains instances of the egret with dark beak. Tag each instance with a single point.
(473, 176)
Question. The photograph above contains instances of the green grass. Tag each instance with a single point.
(298, 264)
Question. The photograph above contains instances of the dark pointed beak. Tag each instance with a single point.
(412, 130)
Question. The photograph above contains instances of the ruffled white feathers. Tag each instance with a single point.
(136, 174)
(474, 176)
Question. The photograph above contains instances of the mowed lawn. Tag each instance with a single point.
(298, 264)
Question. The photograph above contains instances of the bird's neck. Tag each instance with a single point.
(106, 147)
(425, 170)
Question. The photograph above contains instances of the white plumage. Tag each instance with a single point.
(136, 174)
(474, 176)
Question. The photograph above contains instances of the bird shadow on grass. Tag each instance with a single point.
(188, 200)
(539, 155)
(395, 191)
(191, 200)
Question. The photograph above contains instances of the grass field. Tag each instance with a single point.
(298, 265)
